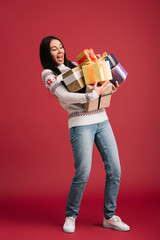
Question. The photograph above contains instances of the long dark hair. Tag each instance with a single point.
(46, 58)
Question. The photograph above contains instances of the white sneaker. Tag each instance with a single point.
(69, 225)
(115, 223)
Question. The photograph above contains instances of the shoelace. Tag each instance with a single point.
(70, 220)
(118, 219)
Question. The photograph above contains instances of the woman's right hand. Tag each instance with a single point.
(101, 89)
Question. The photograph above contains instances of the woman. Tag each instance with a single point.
(85, 128)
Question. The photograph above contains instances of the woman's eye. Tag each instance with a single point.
(61, 47)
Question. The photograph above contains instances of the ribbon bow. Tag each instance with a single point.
(101, 57)
(97, 57)
(91, 54)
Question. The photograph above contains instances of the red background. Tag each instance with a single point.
(36, 164)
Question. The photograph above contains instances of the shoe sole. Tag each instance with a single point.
(68, 231)
(115, 228)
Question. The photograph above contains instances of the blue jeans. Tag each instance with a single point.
(82, 139)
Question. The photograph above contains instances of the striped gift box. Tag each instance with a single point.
(119, 74)
(74, 79)
(112, 60)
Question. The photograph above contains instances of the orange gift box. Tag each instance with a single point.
(99, 71)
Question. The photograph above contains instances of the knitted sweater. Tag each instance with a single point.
(73, 102)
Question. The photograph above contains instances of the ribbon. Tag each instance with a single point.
(82, 59)
(112, 60)
(73, 77)
(102, 57)
(107, 94)
(91, 54)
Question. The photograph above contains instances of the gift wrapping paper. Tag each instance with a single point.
(102, 102)
(119, 74)
(99, 71)
(74, 79)
(112, 60)
(105, 99)
(86, 56)
(91, 105)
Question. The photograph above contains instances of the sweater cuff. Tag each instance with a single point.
(93, 95)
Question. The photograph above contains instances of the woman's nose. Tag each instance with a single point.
(59, 50)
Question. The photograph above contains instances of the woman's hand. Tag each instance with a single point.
(114, 88)
(101, 89)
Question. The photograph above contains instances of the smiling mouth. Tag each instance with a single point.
(60, 58)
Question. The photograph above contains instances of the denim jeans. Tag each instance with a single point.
(82, 139)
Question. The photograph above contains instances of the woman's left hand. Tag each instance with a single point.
(114, 88)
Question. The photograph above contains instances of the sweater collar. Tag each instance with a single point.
(62, 66)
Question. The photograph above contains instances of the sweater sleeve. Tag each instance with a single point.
(54, 83)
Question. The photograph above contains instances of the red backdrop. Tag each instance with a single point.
(36, 155)
(35, 151)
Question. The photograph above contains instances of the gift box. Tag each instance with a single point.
(105, 98)
(99, 71)
(119, 74)
(92, 105)
(74, 79)
(102, 102)
(86, 56)
(112, 60)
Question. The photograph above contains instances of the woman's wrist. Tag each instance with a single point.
(93, 95)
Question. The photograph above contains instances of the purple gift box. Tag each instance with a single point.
(119, 74)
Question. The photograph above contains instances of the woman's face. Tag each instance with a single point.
(57, 51)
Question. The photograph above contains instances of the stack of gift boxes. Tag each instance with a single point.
(91, 68)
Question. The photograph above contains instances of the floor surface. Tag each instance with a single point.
(42, 218)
